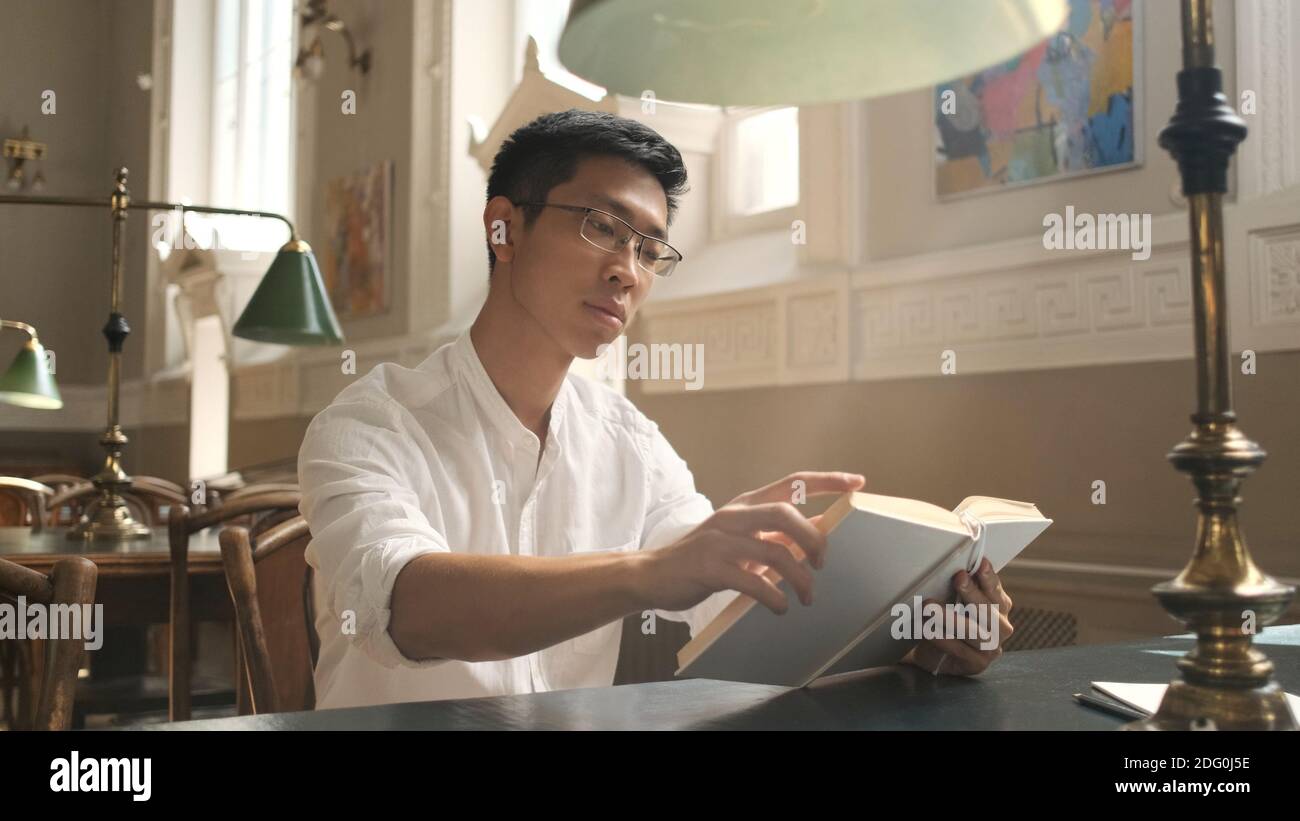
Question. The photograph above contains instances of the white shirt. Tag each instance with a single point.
(408, 461)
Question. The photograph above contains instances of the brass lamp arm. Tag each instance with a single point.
(10, 199)
(22, 326)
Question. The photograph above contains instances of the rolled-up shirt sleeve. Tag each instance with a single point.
(361, 498)
(675, 509)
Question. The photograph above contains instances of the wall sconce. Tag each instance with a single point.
(18, 152)
(311, 57)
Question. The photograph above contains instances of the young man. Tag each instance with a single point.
(484, 521)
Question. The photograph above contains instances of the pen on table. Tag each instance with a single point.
(1108, 706)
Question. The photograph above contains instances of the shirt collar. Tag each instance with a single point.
(494, 405)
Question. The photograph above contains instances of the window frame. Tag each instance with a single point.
(726, 223)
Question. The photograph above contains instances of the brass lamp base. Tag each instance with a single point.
(109, 519)
(1189, 707)
(1227, 684)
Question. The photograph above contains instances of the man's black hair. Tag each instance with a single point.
(545, 153)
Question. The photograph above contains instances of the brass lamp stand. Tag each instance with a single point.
(108, 518)
(1220, 595)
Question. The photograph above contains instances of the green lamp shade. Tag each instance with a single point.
(28, 382)
(794, 52)
(290, 306)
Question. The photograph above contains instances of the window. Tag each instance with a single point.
(231, 144)
(765, 162)
(251, 160)
(758, 171)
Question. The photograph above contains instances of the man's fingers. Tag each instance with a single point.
(992, 586)
(776, 556)
(963, 660)
(778, 516)
(974, 594)
(759, 588)
(776, 535)
(977, 592)
(814, 483)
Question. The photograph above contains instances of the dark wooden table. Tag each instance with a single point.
(134, 582)
(1027, 690)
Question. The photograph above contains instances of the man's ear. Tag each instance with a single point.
(497, 222)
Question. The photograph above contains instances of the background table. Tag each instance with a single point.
(134, 585)
(1026, 690)
(134, 582)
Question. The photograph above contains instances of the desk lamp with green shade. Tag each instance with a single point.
(801, 52)
(28, 383)
(289, 307)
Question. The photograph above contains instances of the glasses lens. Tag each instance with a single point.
(657, 257)
(604, 231)
(610, 234)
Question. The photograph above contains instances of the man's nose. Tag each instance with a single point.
(623, 264)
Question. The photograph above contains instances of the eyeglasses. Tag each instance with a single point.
(609, 233)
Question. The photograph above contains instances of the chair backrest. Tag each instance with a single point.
(71, 583)
(159, 483)
(60, 481)
(159, 496)
(258, 490)
(32, 497)
(181, 524)
(268, 584)
(64, 508)
(146, 500)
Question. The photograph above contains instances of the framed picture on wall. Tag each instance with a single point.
(1067, 107)
(358, 225)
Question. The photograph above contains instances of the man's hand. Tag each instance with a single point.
(731, 549)
(958, 657)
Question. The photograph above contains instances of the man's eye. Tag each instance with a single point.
(605, 228)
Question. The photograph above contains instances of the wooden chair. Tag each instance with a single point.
(256, 490)
(32, 497)
(158, 496)
(163, 484)
(217, 499)
(63, 482)
(68, 509)
(181, 524)
(72, 582)
(270, 585)
(60, 481)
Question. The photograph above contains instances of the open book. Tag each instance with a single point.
(1145, 698)
(882, 550)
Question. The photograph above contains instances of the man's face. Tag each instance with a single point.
(560, 279)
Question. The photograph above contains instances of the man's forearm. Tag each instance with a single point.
(485, 608)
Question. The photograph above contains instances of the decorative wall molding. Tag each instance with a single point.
(1268, 64)
(304, 381)
(782, 335)
(534, 96)
(1263, 234)
(1005, 306)
(428, 230)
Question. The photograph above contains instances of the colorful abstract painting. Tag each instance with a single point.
(1064, 107)
(355, 258)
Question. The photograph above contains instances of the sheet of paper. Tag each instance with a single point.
(1146, 697)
